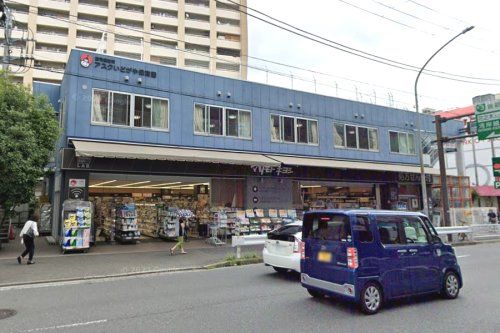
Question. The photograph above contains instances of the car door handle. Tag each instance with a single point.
(402, 251)
(413, 251)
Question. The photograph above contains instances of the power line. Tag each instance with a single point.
(362, 54)
(237, 63)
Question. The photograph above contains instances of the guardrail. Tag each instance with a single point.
(472, 232)
(248, 240)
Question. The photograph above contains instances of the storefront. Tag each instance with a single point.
(148, 150)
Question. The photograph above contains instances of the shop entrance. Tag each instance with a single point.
(340, 195)
(129, 208)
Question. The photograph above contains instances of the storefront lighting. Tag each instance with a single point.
(132, 184)
(232, 116)
(148, 106)
(299, 125)
(164, 184)
(103, 183)
(137, 117)
(310, 186)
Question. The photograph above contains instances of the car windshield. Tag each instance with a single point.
(326, 226)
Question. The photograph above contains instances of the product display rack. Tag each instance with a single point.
(147, 219)
(169, 225)
(76, 226)
(126, 229)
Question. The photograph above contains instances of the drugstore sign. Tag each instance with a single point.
(271, 170)
(107, 64)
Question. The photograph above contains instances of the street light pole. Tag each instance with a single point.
(418, 125)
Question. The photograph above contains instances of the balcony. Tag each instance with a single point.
(165, 4)
(198, 10)
(88, 35)
(136, 32)
(129, 24)
(169, 61)
(83, 43)
(195, 24)
(46, 76)
(59, 4)
(164, 20)
(50, 54)
(158, 51)
(93, 10)
(94, 3)
(198, 40)
(136, 56)
(59, 21)
(129, 16)
(44, 37)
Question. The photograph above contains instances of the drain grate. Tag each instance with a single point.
(6, 313)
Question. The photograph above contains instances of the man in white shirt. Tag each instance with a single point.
(28, 234)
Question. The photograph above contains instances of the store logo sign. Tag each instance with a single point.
(86, 60)
(271, 170)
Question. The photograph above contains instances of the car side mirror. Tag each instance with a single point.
(436, 239)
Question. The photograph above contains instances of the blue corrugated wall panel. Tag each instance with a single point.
(183, 88)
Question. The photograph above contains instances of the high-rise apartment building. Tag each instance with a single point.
(206, 35)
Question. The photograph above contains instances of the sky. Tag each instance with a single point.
(402, 30)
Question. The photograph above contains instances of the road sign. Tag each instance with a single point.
(496, 166)
(488, 120)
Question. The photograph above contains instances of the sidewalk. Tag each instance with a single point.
(106, 260)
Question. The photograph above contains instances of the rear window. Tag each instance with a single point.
(286, 233)
(324, 226)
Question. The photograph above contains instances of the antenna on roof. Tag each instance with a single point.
(101, 47)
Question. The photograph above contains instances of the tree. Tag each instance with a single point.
(28, 133)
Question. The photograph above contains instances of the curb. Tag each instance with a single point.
(234, 263)
(102, 277)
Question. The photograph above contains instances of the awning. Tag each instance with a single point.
(130, 151)
(339, 164)
(487, 191)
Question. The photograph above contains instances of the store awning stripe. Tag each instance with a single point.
(339, 164)
(129, 151)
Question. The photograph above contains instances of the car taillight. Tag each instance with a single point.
(296, 246)
(302, 249)
(352, 257)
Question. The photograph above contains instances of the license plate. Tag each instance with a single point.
(324, 256)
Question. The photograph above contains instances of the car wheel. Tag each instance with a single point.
(371, 298)
(280, 270)
(315, 293)
(450, 285)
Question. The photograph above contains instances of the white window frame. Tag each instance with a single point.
(224, 127)
(357, 137)
(109, 121)
(282, 129)
(407, 134)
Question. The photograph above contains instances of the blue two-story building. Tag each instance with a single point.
(142, 132)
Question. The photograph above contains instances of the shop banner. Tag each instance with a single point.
(269, 193)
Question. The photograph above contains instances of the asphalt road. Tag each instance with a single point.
(247, 299)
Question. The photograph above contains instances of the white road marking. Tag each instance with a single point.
(464, 256)
(57, 327)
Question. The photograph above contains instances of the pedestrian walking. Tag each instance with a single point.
(492, 217)
(180, 238)
(28, 234)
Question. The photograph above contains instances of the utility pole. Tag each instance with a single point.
(6, 22)
(442, 172)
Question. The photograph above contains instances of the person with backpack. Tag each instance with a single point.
(28, 234)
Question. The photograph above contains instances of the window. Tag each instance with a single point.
(414, 231)
(215, 120)
(388, 230)
(100, 106)
(355, 137)
(288, 129)
(238, 123)
(402, 142)
(331, 227)
(293, 130)
(361, 226)
(122, 109)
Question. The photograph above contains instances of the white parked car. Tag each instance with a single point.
(281, 249)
